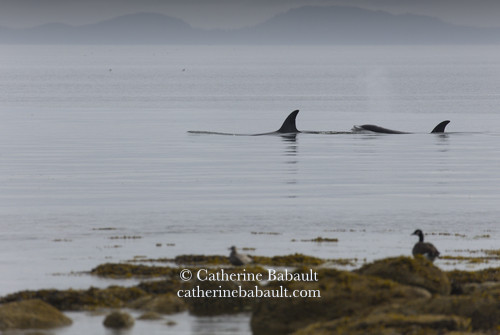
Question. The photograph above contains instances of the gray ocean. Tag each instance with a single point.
(94, 147)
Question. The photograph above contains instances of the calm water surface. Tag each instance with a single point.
(94, 146)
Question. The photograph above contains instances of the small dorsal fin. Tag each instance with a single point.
(440, 127)
(289, 123)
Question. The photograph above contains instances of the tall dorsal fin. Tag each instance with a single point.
(289, 124)
(440, 127)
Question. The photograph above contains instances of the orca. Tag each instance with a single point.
(287, 128)
(377, 129)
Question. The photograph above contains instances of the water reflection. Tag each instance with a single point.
(226, 324)
(290, 141)
(443, 136)
(443, 169)
(291, 161)
(442, 140)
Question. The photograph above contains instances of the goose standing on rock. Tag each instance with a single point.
(425, 249)
(236, 258)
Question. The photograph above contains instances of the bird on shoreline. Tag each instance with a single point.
(236, 258)
(423, 248)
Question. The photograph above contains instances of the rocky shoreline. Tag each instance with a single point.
(400, 295)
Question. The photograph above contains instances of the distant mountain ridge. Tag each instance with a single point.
(304, 25)
(351, 25)
(140, 28)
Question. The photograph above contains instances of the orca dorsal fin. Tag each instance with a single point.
(440, 127)
(289, 123)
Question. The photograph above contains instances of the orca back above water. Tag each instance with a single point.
(287, 128)
(377, 129)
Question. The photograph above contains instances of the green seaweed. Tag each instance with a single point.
(201, 259)
(416, 271)
(320, 239)
(288, 260)
(459, 277)
(113, 296)
(122, 270)
(343, 293)
(217, 260)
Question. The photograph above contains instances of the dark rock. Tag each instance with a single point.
(118, 320)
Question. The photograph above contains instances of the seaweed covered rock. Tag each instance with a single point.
(341, 294)
(288, 260)
(201, 260)
(113, 296)
(483, 310)
(485, 287)
(31, 314)
(121, 270)
(118, 320)
(389, 324)
(215, 297)
(150, 316)
(459, 278)
(410, 271)
(163, 304)
(162, 286)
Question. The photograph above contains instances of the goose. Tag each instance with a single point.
(236, 258)
(423, 248)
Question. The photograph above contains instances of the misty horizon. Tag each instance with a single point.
(235, 14)
(303, 25)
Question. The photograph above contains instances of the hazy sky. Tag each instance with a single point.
(231, 13)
